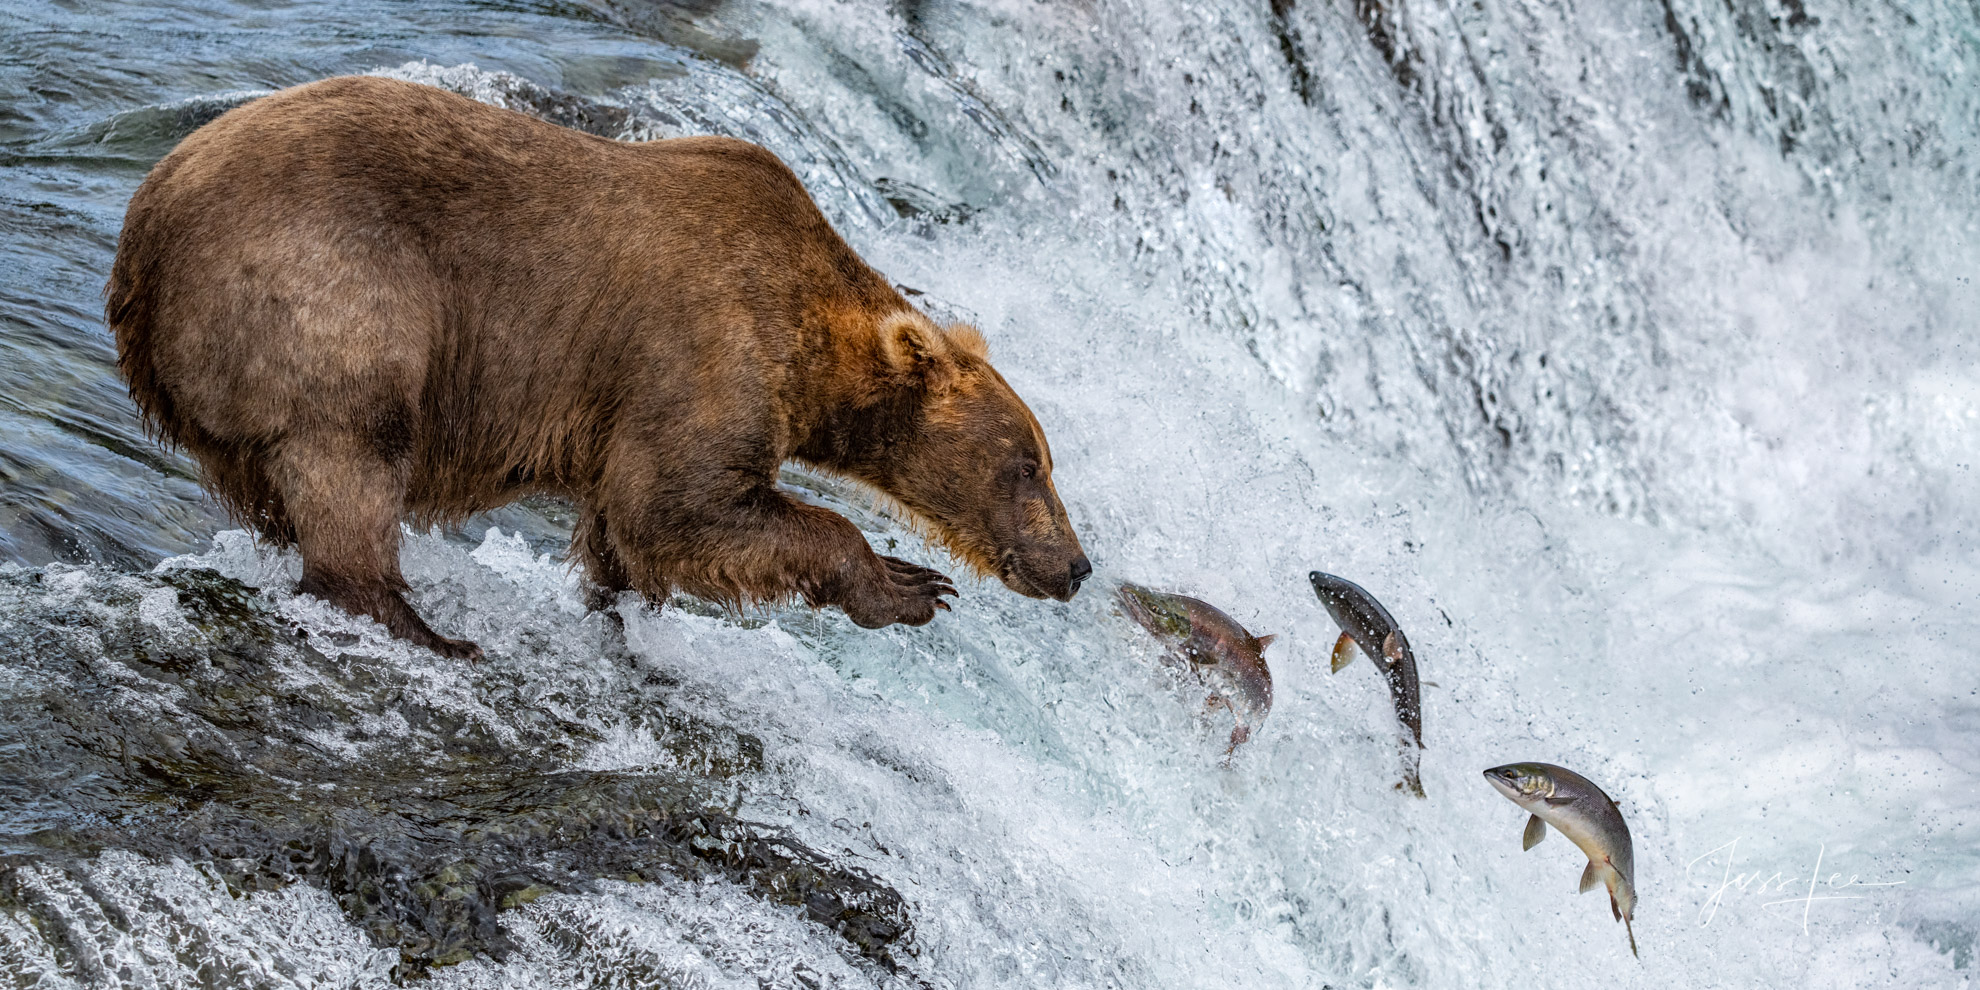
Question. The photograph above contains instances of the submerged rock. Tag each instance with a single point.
(178, 717)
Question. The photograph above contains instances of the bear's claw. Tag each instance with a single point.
(908, 594)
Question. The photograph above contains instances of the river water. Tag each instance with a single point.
(1628, 352)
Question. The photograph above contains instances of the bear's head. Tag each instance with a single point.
(971, 462)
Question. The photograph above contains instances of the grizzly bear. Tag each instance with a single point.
(362, 300)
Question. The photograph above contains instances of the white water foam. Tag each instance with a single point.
(1675, 489)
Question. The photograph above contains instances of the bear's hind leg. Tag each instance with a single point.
(602, 566)
(345, 502)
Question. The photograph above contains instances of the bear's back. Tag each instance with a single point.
(378, 155)
(386, 244)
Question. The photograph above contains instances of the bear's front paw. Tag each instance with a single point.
(900, 592)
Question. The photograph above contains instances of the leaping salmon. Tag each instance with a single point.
(1365, 623)
(1573, 804)
(1215, 647)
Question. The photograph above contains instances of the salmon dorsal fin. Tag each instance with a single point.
(1266, 640)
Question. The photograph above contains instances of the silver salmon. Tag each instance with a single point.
(1576, 807)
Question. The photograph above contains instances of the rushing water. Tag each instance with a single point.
(1627, 351)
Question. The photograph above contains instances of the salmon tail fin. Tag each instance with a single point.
(1343, 653)
(1412, 767)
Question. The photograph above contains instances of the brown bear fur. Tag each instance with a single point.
(362, 300)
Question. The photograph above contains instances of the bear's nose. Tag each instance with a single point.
(1080, 569)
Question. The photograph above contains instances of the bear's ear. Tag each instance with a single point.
(968, 340)
(913, 346)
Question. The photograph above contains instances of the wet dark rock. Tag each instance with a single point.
(1291, 49)
(1699, 81)
(205, 729)
(1380, 21)
(1768, 85)
(912, 202)
(146, 134)
(556, 106)
(691, 24)
(589, 116)
(426, 863)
